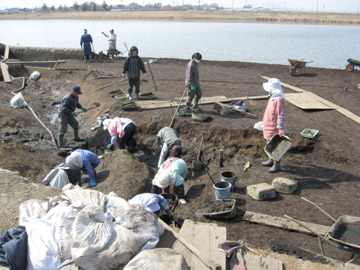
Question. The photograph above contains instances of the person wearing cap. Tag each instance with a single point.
(112, 40)
(167, 138)
(274, 117)
(152, 202)
(85, 42)
(192, 82)
(132, 66)
(67, 114)
(85, 160)
(172, 173)
(121, 130)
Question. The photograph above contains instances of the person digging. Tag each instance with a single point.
(167, 138)
(192, 82)
(152, 202)
(172, 173)
(274, 117)
(67, 114)
(121, 131)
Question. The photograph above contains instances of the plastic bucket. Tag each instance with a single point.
(229, 177)
(222, 190)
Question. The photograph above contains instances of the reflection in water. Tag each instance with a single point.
(326, 46)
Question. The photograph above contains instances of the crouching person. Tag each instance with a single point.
(152, 202)
(121, 131)
(167, 138)
(172, 173)
(89, 162)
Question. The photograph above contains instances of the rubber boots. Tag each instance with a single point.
(76, 136)
(275, 168)
(137, 96)
(61, 141)
(196, 105)
(269, 162)
(92, 183)
(187, 108)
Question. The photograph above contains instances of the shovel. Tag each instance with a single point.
(197, 164)
(92, 106)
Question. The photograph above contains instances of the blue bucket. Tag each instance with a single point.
(222, 190)
(229, 177)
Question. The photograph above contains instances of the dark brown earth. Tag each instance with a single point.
(327, 167)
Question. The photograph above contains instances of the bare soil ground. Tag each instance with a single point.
(327, 167)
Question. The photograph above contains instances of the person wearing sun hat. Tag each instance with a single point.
(274, 117)
(121, 130)
(172, 173)
(67, 114)
(152, 202)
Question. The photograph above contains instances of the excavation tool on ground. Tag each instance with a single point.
(197, 164)
(343, 234)
(152, 75)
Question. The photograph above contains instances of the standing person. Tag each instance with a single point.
(167, 138)
(85, 42)
(67, 114)
(133, 64)
(192, 82)
(171, 173)
(87, 161)
(112, 40)
(274, 117)
(120, 130)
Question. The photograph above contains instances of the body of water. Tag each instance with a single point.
(327, 46)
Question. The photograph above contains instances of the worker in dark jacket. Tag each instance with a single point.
(132, 66)
(192, 82)
(85, 42)
(67, 114)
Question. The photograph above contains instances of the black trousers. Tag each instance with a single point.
(131, 83)
(129, 132)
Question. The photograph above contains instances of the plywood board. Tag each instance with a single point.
(205, 237)
(306, 101)
(255, 262)
(5, 73)
(285, 223)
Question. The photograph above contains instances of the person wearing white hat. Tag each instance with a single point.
(172, 173)
(152, 202)
(274, 117)
(121, 130)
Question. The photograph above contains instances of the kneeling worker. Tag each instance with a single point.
(171, 173)
(152, 202)
(167, 138)
(120, 130)
(89, 162)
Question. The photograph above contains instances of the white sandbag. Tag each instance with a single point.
(33, 209)
(17, 101)
(62, 217)
(89, 197)
(59, 180)
(35, 75)
(116, 204)
(159, 259)
(123, 245)
(43, 251)
(46, 181)
(91, 232)
(141, 221)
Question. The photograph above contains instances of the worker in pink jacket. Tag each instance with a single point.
(121, 130)
(274, 117)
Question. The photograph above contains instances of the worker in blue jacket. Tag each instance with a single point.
(85, 42)
(89, 162)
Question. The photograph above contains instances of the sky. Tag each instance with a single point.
(347, 6)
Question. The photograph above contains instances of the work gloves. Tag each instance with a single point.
(83, 109)
(281, 132)
(73, 114)
(193, 88)
(92, 183)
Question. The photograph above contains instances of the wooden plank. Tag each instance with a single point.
(160, 104)
(5, 72)
(7, 51)
(349, 114)
(34, 62)
(297, 89)
(255, 262)
(283, 223)
(306, 101)
(205, 237)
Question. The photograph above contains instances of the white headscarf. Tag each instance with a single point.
(75, 158)
(273, 86)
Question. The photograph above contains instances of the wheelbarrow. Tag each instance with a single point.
(297, 66)
(343, 234)
(352, 64)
